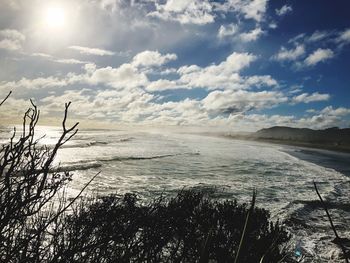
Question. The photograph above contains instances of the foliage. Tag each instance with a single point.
(185, 228)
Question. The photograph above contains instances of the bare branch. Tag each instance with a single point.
(338, 239)
(8, 95)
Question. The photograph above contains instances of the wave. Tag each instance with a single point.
(77, 167)
(95, 143)
(84, 145)
(85, 165)
(127, 158)
(128, 139)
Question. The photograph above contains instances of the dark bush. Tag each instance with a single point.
(186, 228)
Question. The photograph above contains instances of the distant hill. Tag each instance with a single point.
(333, 138)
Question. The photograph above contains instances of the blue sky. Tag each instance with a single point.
(235, 65)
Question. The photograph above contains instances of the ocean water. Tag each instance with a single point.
(150, 163)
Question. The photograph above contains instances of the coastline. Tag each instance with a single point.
(293, 143)
(334, 158)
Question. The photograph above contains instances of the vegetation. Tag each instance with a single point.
(186, 228)
(38, 224)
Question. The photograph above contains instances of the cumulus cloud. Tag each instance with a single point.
(32, 84)
(162, 84)
(92, 51)
(304, 42)
(125, 76)
(341, 111)
(318, 56)
(284, 10)
(185, 11)
(307, 98)
(152, 58)
(325, 118)
(251, 35)
(129, 96)
(202, 12)
(222, 75)
(11, 39)
(254, 9)
(290, 54)
(227, 30)
(228, 101)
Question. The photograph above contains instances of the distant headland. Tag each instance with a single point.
(334, 138)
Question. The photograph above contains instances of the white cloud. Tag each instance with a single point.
(254, 9)
(260, 81)
(284, 10)
(109, 4)
(307, 98)
(318, 56)
(185, 11)
(202, 12)
(59, 60)
(222, 75)
(227, 30)
(328, 117)
(291, 54)
(129, 97)
(70, 61)
(273, 25)
(240, 101)
(251, 35)
(341, 111)
(162, 84)
(318, 36)
(344, 36)
(93, 51)
(11, 39)
(152, 58)
(37, 83)
(125, 76)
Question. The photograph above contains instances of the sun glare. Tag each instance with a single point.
(55, 17)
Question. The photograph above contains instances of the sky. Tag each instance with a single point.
(233, 65)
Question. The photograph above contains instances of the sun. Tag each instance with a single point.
(55, 17)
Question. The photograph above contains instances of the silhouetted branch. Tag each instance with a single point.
(8, 95)
(245, 226)
(337, 238)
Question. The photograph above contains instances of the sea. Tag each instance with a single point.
(154, 162)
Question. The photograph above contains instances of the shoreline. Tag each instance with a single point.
(289, 143)
(328, 157)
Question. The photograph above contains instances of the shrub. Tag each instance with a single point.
(187, 228)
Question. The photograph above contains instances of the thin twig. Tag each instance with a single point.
(332, 225)
(71, 202)
(245, 226)
(8, 95)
